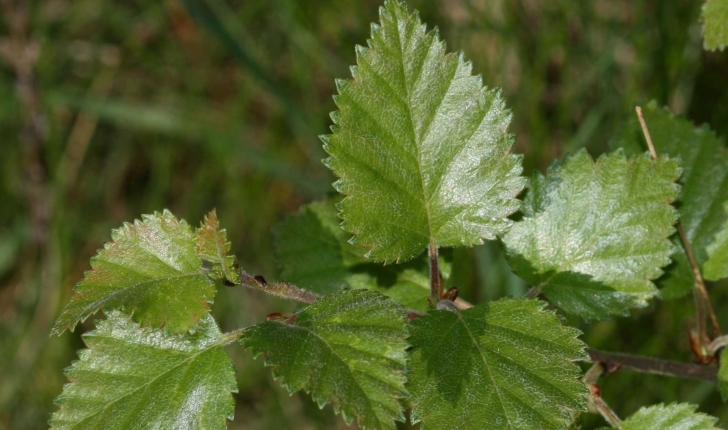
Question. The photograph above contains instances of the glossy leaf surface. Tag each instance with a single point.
(595, 234)
(143, 378)
(348, 348)
(677, 416)
(504, 364)
(151, 270)
(715, 24)
(704, 185)
(212, 246)
(421, 148)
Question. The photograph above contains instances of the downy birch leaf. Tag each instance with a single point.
(715, 24)
(504, 364)
(421, 148)
(704, 186)
(151, 270)
(348, 348)
(677, 416)
(716, 266)
(597, 233)
(213, 246)
(144, 378)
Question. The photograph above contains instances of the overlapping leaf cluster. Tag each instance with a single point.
(424, 158)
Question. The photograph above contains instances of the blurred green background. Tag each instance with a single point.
(109, 110)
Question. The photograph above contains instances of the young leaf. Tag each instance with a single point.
(212, 246)
(723, 375)
(680, 416)
(347, 348)
(715, 25)
(597, 232)
(703, 185)
(504, 364)
(313, 251)
(420, 146)
(150, 269)
(143, 378)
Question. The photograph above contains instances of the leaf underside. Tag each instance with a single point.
(704, 186)
(504, 364)
(421, 148)
(151, 270)
(677, 416)
(715, 24)
(212, 246)
(348, 348)
(595, 234)
(143, 378)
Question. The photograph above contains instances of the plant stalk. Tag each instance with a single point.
(700, 293)
(654, 366)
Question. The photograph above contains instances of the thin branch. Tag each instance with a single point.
(279, 289)
(716, 344)
(702, 300)
(654, 366)
(595, 402)
(435, 280)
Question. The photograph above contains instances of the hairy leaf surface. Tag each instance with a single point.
(677, 416)
(596, 233)
(348, 348)
(151, 270)
(143, 378)
(504, 364)
(715, 24)
(213, 246)
(421, 148)
(704, 186)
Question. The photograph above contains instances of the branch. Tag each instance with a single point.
(654, 366)
(702, 300)
(595, 402)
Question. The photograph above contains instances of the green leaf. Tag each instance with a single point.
(421, 148)
(212, 246)
(716, 266)
(314, 253)
(677, 416)
(347, 348)
(312, 249)
(723, 375)
(715, 24)
(597, 233)
(704, 185)
(504, 364)
(150, 269)
(143, 378)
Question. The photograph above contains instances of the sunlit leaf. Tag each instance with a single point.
(597, 232)
(348, 348)
(702, 194)
(504, 364)
(677, 416)
(143, 378)
(421, 148)
(715, 24)
(151, 270)
(212, 246)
